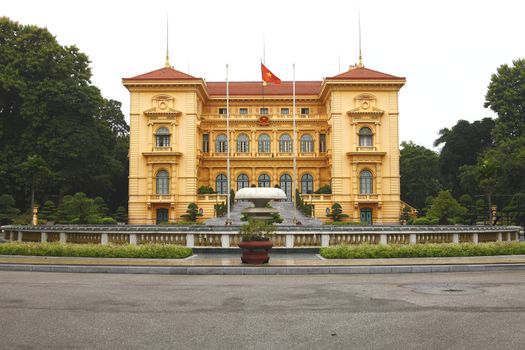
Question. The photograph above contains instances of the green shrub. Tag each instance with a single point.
(153, 251)
(421, 221)
(109, 221)
(368, 251)
(345, 223)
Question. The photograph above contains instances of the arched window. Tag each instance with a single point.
(221, 144)
(286, 185)
(162, 182)
(264, 180)
(285, 143)
(365, 137)
(365, 182)
(242, 181)
(307, 184)
(162, 137)
(264, 144)
(243, 143)
(307, 143)
(221, 184)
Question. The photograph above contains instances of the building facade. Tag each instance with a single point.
(347, 142)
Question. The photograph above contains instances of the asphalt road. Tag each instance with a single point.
(409, 311)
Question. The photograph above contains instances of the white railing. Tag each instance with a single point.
(226, 239)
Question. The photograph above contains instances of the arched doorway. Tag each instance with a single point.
(286, 185)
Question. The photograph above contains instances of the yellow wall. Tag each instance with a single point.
(339, 111)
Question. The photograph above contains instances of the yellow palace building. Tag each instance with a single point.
(347, 141)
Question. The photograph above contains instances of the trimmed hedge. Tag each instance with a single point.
(368, 251)
(153, 251)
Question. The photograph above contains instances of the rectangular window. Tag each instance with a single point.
(322, 142)
(285, 111)
(263, 110)
(305, 110)
(205, 143)
(243, 110)
(222, 110)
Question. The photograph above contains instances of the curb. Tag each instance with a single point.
(259, 270)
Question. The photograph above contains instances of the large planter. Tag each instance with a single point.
(255, 252)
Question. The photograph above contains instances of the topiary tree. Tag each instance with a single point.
(121, 215)
(48, 212)
(78, 209)
(8, 212)
(191, 213)
(101, 207)
(337, 213)
(446, 209)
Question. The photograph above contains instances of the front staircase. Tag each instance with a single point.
(286, 210)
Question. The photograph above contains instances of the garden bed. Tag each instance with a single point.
(369, 251)
(149, 251)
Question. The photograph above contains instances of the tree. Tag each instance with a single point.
(419, 174)
(49, 109)
(446, 209)
(191, 213)
(35, 171)
(462, 145)
(336, 214)
(506, 97)
(47, 212)
(121, 215)
(78, 209)
(101, 207)
(8, 212)
(470, 217)
(516, 209)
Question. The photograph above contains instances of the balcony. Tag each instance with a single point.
(161, 198)
(162, 149)
(367, 198)
(256, 116)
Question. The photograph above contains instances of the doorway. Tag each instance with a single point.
(366, 216)
(162, 215)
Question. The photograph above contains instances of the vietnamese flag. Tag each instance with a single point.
(268, 76)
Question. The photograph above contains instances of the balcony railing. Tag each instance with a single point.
(161, 198)
(162, 149)
(255, 116)
(367, 197)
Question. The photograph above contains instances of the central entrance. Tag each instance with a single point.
(286, 185)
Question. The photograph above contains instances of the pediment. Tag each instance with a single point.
(365, 104)
(167, 111)
(162, 105)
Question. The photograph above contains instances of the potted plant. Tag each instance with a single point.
(255, 241)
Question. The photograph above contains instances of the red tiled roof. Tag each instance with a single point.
(255, 88)
(362, 73)
(165, 73)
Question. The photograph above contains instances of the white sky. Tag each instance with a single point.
(447, 50)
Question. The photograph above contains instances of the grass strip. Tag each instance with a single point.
(150, 251)
(370, 251)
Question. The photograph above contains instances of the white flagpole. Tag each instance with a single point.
(228, 220)
(294, 180)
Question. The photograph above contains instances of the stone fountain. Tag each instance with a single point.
(260, 196)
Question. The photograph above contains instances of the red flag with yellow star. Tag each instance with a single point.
(268, 76)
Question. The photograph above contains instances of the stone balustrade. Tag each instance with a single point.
(285, 236)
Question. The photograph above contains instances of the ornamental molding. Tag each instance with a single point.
(365, 107)
(162, 107)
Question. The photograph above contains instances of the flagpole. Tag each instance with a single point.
(294, 181)
(228, 220)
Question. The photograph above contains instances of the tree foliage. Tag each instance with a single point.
(446, 209)
(336, 213)
(53, 117)
(419, 174)
(191, 213)
(462, 145)
(8, 212)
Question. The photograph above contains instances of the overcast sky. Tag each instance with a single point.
(447, 50)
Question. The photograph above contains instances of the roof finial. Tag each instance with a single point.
(360, 64)
(167, 65)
